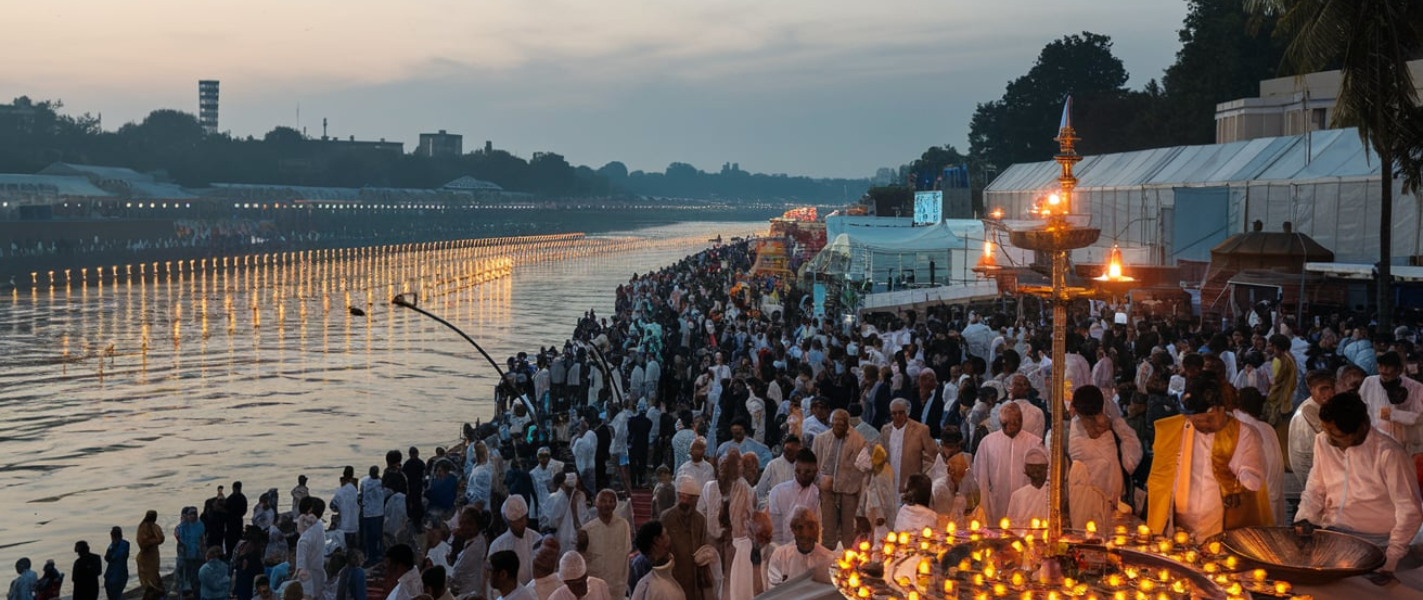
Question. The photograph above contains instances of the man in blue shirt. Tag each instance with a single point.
(745, 444)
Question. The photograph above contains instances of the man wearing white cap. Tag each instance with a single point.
(687, 530)
(566, 511)
(577, 584)
(1030, 501)
(519, 539)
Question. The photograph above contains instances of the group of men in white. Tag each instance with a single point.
(1215, 466)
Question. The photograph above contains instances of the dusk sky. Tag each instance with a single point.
(826, 88)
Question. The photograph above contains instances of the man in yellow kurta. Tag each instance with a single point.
(1208, 471)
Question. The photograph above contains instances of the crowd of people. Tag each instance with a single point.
(770, 437)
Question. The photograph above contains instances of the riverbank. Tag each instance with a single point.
(292, 388)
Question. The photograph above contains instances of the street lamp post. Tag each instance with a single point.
(1056, 232)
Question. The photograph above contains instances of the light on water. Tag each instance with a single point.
(306, 369)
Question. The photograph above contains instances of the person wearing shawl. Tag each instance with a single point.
(566, 510)
(880, 502)
(150, 539)
(728, 504)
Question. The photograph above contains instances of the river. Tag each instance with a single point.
(123, 397)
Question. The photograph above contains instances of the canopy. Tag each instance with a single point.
(882, 250)
(1181, 201)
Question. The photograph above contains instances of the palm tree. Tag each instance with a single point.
(1370, 42)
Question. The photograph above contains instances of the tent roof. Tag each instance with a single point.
(470, 183)
(1273, 243)
(902, 239)
(59, 185)
(1328, 153)
(116, 173)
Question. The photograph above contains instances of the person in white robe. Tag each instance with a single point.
(566, 511)
(879, 503)
(729, 523)
(1100, 448)
(546, 580)
(806, 554)
(1362, 483)
(917, 513)
(998, 466)
(1034, 421)
(311, 551)
(1395, 402)
(1252, 403)
(585, 454)
(1104, 372)
(578, 584)
(1031, 501)
(542, 474)
(609, 543)
(800, 491)
(697, 466)
(1078, 372)
(1304, 425)
(779, 470)
(519, 538)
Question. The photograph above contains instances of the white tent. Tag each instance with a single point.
(880, 249)
(1180, 202)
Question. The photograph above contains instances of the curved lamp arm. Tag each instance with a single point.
(399, 300)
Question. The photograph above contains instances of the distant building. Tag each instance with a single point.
(207, 104)
(1287, 106)
(440, 144)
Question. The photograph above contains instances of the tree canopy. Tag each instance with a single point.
(1018, 127)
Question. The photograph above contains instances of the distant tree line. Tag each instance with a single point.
(682, 179)
(173, 144)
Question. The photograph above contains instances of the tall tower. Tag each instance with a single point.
(207, 104)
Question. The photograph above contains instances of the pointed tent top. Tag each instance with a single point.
(1066, 114)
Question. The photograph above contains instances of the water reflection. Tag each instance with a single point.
(143, 386)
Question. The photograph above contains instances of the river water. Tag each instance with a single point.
(116, 398)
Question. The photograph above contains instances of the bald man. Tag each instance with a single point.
(609, 543)
(840, 481)
(911, 448)
(998, 466)
(697, 466)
